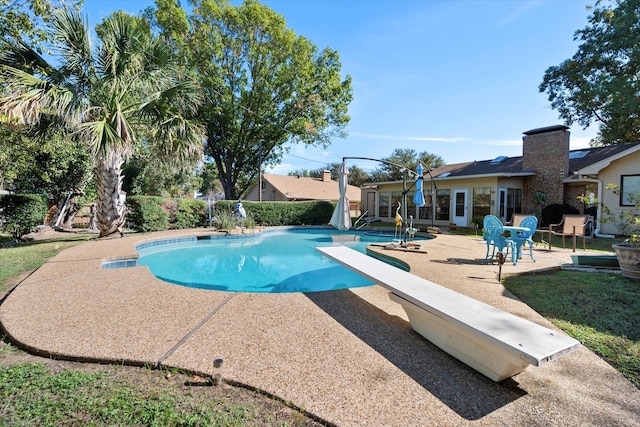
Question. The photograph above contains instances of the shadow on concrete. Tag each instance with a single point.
(467, 392)
(460, 261)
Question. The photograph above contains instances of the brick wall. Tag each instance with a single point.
(546, 151)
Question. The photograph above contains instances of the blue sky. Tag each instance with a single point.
(456, 78)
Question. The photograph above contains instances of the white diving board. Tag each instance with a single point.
(494, 342)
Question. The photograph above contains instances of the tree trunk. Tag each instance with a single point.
(70, 213)
(110, 209)
(66, 210)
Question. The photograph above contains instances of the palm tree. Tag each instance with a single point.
(130, 85)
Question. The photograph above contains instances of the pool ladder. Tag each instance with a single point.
(365, 221)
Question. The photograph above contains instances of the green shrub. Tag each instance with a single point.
(190, 214)
(283, 213)
(150, 213)
(146, 213)
(478, 220)
(20, 213)
(224, 219)
(249, 222)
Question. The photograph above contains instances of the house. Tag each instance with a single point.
(546, 181)
(290, 188)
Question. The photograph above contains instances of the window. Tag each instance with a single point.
(383, 210)
(481, 201)
(443, 205)
(411, 207)
(514, 202)
(629, 185)
(426, 211)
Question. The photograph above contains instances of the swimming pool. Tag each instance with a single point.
(273, 261)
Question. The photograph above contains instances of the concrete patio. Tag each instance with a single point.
(349, 357)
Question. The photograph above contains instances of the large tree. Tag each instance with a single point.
(406, 157)
(18, 19)
(53, 164)
(25, 19)
(601, 82)
(105, 95)
(152, 174)
(264, 86)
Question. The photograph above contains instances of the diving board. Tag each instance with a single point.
(496, 343)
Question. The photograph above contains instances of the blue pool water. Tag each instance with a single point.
(273, 261)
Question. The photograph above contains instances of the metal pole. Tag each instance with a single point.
(434, 190)
(404, 203)
(260, 174)
(433, 204)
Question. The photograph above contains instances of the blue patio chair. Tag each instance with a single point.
(493, 234)
(524, 237)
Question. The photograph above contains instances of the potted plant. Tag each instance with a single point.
(628, 223)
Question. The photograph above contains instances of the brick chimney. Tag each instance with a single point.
(326, 175)
(545, 151)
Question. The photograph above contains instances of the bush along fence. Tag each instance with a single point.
(20, 213)
(270, 214)
(150, 213)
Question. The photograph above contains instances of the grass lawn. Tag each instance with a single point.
(600, 310)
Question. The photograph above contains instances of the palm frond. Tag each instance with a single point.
(103, 139)
(179, 137)
(27, 97)
(21, 56)
(73, 42)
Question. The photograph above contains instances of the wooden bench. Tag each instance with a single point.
(494, 342)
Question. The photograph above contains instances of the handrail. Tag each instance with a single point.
(360, 217)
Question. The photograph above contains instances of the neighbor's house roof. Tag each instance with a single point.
(296, 187)
(581, 162)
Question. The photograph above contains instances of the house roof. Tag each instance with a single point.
(305, 188)
(506, 166)
(512, 166)
(596, 159)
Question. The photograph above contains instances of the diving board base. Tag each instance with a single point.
(449, 337)
(496, 343)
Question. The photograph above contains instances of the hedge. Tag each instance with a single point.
(20, 213)
(284, 213)
(150, 213)
(147, 214)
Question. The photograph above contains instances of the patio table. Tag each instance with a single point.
(514, 230)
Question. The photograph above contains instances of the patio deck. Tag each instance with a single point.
(350, 357)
